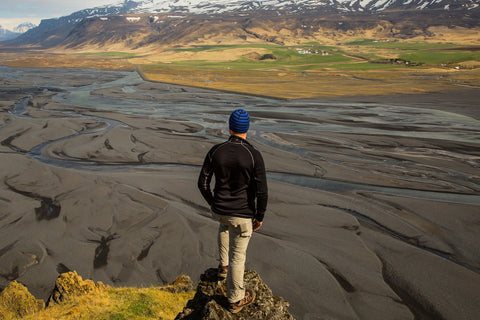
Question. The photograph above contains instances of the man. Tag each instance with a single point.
(238, 203)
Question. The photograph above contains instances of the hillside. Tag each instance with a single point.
(153, 25)
(144, 32)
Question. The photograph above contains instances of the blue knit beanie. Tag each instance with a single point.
(239, 121)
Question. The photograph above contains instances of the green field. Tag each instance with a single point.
(363, 54)
(441, 57)
(198, 48)
(363, 67)
(284, 57)
(430, 54)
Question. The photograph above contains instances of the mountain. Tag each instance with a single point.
(146, 23)
(219, 6)
(7, 34)
(24, 27)
(51, 32)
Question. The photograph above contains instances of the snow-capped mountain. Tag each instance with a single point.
(152, 19)
(222, 6)
(24, 27)
(7, 34)
(219, 6)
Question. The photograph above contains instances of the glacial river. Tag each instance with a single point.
(208, 108)
(309, 117)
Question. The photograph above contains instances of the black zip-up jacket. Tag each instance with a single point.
(240, 179)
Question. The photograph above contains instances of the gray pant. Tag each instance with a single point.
(233, 236)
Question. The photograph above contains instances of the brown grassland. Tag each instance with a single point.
(319, 83)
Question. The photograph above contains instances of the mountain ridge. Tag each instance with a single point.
(149, 23)
(218, 6)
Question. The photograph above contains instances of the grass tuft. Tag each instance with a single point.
(119, 304)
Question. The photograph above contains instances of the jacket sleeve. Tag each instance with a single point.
(205, 178)
(260, 177)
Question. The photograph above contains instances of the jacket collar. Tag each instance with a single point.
(237, 139)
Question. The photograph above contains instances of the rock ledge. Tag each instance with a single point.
(209, 301)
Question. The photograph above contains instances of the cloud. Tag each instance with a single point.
(19, 11)
(10, 23)
(49, 8)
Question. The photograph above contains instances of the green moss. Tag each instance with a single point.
(142, 305)
(117, 316)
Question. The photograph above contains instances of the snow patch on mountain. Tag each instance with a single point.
(220, 6)
(12, 33)
(24, 27)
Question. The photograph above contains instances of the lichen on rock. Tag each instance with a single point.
(17, 302)
(70, 284)
(209, 302)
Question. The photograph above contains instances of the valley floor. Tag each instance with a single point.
(276, 82)
(374, 199)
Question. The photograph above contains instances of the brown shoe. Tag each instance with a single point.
(222, 272)
(238, 306)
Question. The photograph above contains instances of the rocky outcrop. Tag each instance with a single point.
(210, 301)
(181, 284)
(17, 302)
(70, 284)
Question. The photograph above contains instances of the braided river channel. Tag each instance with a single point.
(367, 198)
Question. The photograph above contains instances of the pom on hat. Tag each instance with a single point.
(239, 121)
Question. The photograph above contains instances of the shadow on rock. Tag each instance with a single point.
(210, 302)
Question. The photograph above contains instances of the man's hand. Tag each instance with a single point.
(256, 225)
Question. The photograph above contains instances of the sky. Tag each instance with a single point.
(15, 12)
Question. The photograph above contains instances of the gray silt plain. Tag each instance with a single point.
(373, 210)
